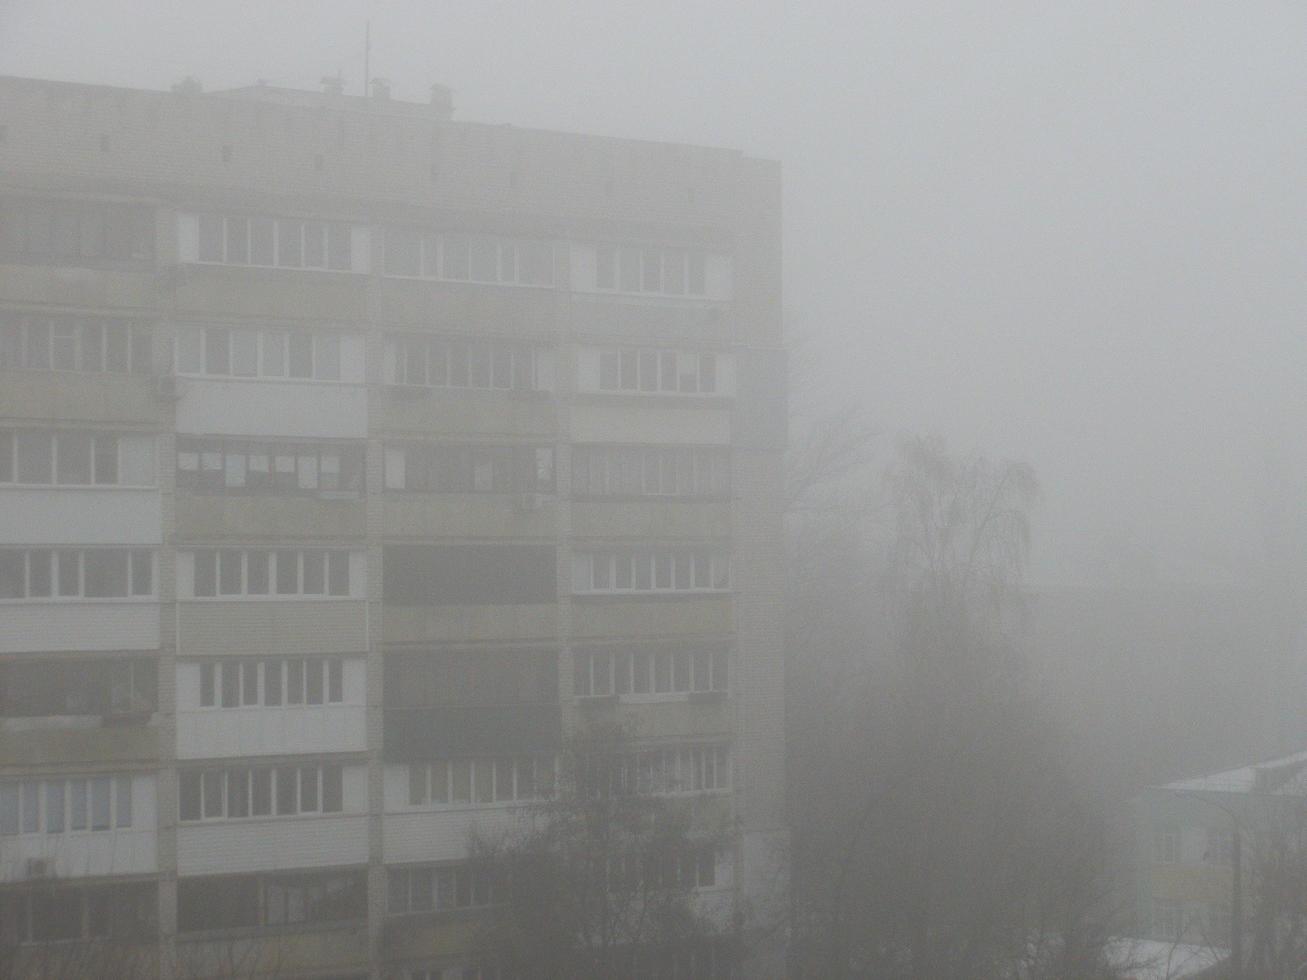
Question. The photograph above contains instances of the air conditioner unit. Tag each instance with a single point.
(166, 388)
(39, 867)
(528, 502)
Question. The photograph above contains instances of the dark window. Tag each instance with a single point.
(217, 903)
(486, 678)
(333, 793)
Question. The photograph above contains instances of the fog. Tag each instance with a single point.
(1032, 616)
(1070, 235)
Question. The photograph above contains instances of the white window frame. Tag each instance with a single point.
(432, 249)
(267, 340)
(330, 557)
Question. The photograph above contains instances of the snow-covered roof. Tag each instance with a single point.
(1286, 775)
(1149, 959)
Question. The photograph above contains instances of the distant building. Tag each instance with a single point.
(1187, 835)
(349, 456)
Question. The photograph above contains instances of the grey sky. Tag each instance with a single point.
(1073, 233)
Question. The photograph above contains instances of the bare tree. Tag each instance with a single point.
(945, 839)
(601, 879)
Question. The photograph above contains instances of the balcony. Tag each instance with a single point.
(658, 519)
(292, 627)
(284, 953)
(81, 516)
(63, 740)
(407, 516)
(214, 517)
(622, 616)
(672, 716)
(446, 731)
(88, 624)
(628, 419)
(261, 731)
(58, 396)
(464, 412)
(276, 843)
(516, 311)
(469, 623)
(301, 410)
(276, 294)
(130, 286)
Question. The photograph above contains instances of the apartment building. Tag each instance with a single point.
(350, 456)
(1197, 837)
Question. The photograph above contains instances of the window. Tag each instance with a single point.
(439, 468)
(1220, 848)
(58, 806)
(248, 791)
(599, 673)
(231, 572)
(271, 682)
(39, 458)
(60, 913)
(653, 371)
(69, 231)
(1166, 845)
(233, 466)
(438, 362)
(650, 269)
(254, 901)
(117, 686)
(613, 471)
(673, 770)
(422, 889)
(503, 780)
(651, 570)
(286, 243)
(221, 352)
(92, 573)
(468, 258)
(1168, 921)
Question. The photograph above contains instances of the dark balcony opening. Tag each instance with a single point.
(120, 690)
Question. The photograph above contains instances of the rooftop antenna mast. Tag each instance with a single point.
(367, 54)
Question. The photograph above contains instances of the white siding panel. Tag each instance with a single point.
(101, 624)
(237, 732)
(443, 835)
(81, 517)
(271, 408)
(272, 844)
